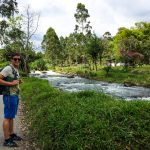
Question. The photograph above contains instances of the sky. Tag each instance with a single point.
(105, 15)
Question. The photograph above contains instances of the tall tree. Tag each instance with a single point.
(7, 10)
(14, 35)
(15, 39)
(51, 46)
(126, 41)
(107, 39)
(82, 31)
(95, 49)
(30, 24)
(81, 16)
(64, 52)
(142, 30)
(30, 20)
(135, 39)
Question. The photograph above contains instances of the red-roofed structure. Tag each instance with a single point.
(132, 54)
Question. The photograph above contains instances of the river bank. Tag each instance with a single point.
(138, 76)
(84, 120)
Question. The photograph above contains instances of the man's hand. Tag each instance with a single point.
(14, 82)
(20, 81)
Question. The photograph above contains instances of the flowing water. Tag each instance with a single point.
(75, 84)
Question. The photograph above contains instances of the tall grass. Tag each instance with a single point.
(85, 120)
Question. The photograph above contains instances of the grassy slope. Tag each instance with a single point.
(85, 120)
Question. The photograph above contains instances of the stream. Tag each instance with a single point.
(76, 83)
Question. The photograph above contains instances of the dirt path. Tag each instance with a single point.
(20, 129)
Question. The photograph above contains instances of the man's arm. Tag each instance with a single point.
(6, 83)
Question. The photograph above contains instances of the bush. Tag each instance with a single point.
(39, 64)
(23, 74)
(3, 64)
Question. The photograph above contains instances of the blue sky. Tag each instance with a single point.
(105, 15)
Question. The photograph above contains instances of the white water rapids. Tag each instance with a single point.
(75, 84)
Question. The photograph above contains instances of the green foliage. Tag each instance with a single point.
(107, 69)
(84, 120)
(3, 64)
(7, 9)
(109, 51)
(38, 64)
(51, 46)
(95, 48)
(23, 74)
(14, 35)
(81, 16)
(135, 39)
(14, 38)
(81, 47)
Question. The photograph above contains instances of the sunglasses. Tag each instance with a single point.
(15, 59)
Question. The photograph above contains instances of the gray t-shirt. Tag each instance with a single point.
(8, 72)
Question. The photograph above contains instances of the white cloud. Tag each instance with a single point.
(105, 15)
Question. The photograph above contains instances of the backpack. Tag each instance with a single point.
(5, 89)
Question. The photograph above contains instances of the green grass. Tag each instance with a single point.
(85, 120)
(134, 76)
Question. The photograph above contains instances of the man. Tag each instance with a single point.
(10, 99)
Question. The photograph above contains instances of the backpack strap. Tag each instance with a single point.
(14, 72)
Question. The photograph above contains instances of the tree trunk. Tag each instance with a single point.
(95, 65)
